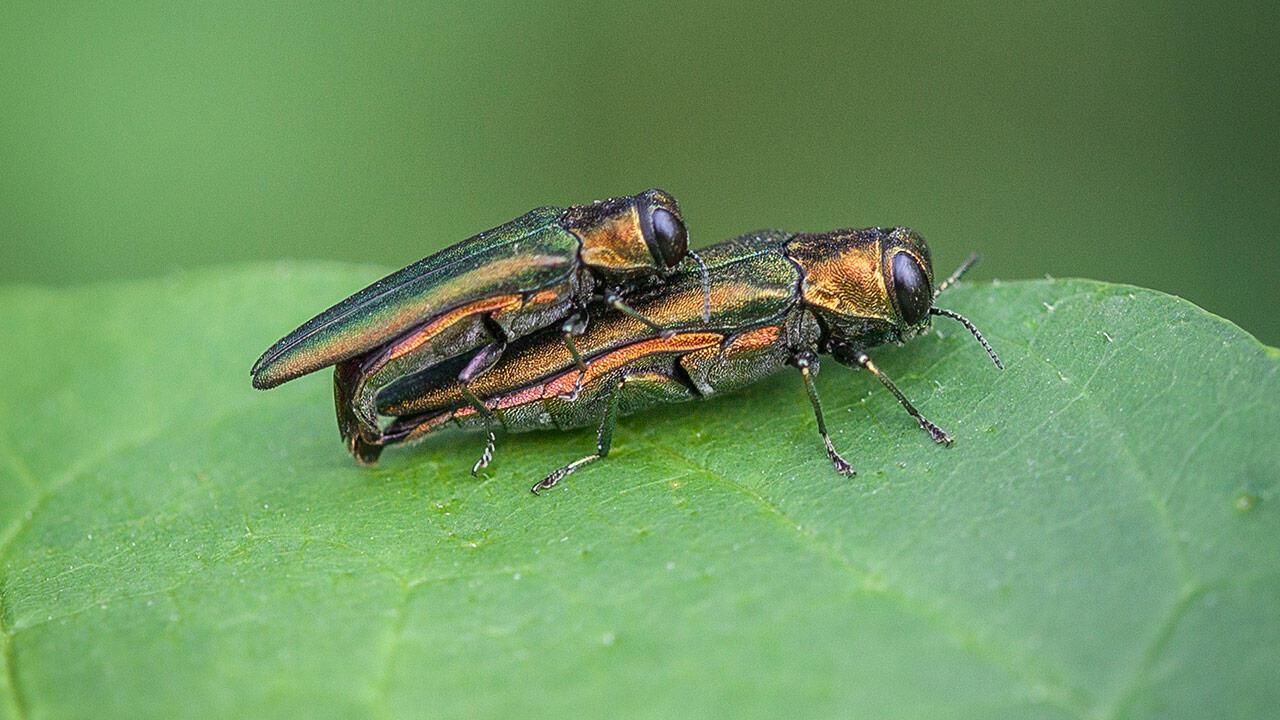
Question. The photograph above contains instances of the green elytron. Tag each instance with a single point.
(539, 270)
(775, 299)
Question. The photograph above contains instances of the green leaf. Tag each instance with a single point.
(1100, 541)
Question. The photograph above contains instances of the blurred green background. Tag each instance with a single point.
(1133, 142)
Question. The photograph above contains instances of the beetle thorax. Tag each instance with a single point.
(613, 244)
(843, 278)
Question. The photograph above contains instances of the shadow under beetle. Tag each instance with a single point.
(774, 298)
(474, 298)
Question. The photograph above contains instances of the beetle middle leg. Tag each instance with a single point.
(807, 362)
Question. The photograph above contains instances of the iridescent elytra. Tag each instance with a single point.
(473, 298)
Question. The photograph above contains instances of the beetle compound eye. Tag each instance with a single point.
(911, 288)
(670, 238)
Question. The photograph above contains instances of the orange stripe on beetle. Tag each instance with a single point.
(565, 383)
(605, 364)
(755, 339)
(425, 334)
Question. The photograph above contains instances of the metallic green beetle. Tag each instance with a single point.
(475, 297)
(776, 299)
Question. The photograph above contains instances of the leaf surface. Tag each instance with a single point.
(1100, 541)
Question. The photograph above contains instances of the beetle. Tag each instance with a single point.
(776, 299)
(476, 297)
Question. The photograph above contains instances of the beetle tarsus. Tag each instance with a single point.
(559, 474)
(485, 456)
(489, 420)
(939, 435)
(573, 394)
(842, 466)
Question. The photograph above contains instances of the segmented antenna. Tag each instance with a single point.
(706, 286)
(955, 276)
(965, 321)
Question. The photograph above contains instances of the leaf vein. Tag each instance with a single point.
(1062, 696)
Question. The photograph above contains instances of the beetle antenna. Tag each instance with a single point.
(955, 276)
(965, 321)
(706, 286)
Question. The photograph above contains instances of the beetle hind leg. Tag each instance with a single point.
(482, 361)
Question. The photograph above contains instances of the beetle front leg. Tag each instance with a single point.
(853, 355)
(482, 361)
(614, 300)
(807, 363)
(604, 440)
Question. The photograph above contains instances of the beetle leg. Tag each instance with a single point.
(483, 360)
(807, 363)
(934, 431)
(604, 439)
(575, 325)
(614, 300)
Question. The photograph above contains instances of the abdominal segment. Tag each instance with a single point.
(646, 373)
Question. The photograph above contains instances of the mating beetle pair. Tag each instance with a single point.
(750, 306)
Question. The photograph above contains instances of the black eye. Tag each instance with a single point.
(670, 240)
(911, 288)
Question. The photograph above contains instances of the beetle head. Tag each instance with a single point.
(630, 235)
(872, 285)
